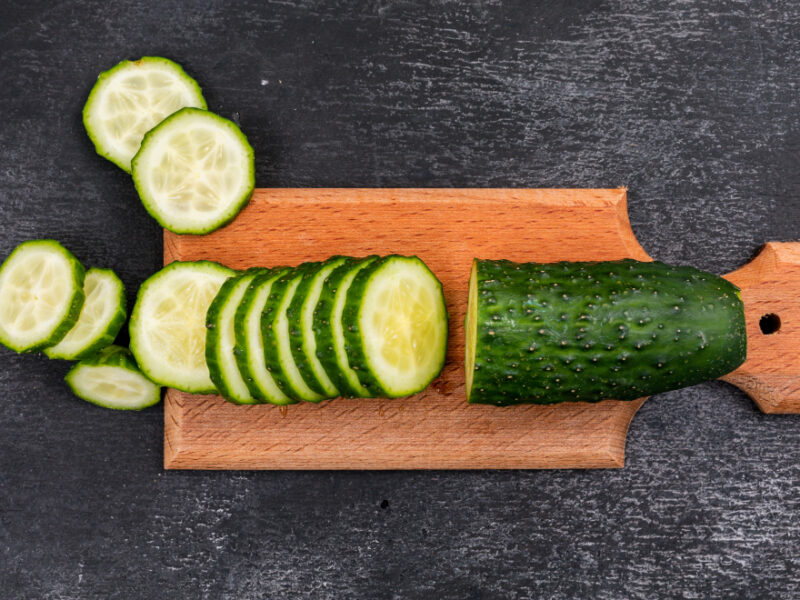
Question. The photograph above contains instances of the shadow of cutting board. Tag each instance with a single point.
(437, 429)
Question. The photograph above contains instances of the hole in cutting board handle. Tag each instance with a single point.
(769, 323)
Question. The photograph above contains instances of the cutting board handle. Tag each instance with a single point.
(770, 285)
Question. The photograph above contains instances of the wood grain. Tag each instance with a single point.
(435, 429)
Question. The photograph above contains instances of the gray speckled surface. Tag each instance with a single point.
(692, 105)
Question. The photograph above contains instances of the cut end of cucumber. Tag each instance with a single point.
(168, 324)
(194, 172)
(471, 329)
(41, 295)
(130, 99)
(111, 379)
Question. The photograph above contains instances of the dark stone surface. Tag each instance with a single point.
(692, 105)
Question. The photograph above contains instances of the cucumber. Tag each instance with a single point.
(41, 295)
(395, 326)
(301, 327)
(275, 333)
(102, 316)
(111, 379)
(130, 99)
(328, 328)
(221, 339)
(546, 333)
(168, 324)
(249, 349)
(194, 171)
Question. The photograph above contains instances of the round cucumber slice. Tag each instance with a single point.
(168, 324)
(395, 326)
(275, 332)
(101, 318)
(301, 327)
(328, 331)
(111, 379)
(221, 340)
(130, 99)
(41, 295)
(194, 172)
(249, 351)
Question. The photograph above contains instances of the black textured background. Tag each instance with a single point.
(693, 105)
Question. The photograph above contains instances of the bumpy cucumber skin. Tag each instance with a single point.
(76, 302)
(294, 314)
(352, 334)
(324, 333)
(559, 332)
(110, 356)
(212, 340)
(240, 349)
(110, 73)
(112, 329)
(268, 316)
(235, 208)
(134, 320)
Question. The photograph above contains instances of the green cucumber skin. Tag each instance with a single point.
(212, 338)
(240, 349)
(276, 296)
(549, 333)
(322, 327)
(352, 334)
(294, 314)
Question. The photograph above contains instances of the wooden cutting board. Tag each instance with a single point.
(437, 429)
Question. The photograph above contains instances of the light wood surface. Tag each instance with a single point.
(437, 429)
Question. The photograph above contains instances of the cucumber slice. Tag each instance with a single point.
(275, 332)
(168, 324)
(111, 379)
(41, 295)
(301, 327)
(395, 326)
(249, 350)
(130, 99)
(194, 172)
(101, 318)
(328, 328)
(220, 340)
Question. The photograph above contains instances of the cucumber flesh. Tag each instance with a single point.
(111, 379)
(221, 340)
(168, 324)
(41, 295)
(194, 172)
(249, 351)
(395, 326)
(102, 316)
(275, 333)
(301, 327)
(557, 332)
(331, 350)
(130, 99)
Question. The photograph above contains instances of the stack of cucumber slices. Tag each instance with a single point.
(368, 327)
(193, 170)
(49, 302)
(355, 327)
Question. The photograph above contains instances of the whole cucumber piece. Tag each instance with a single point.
(588, 331)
